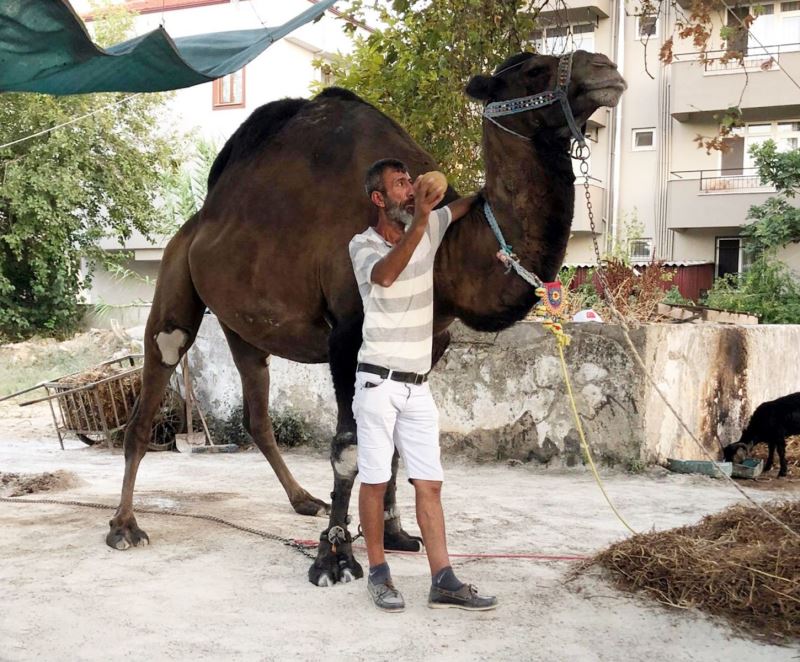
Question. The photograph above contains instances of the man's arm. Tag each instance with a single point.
(391, 265)
(459, 208)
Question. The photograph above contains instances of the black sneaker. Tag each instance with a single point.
(466, 597)
(386, 597)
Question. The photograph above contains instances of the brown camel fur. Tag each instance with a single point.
(268, 255)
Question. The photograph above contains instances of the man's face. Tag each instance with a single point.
(399, 196)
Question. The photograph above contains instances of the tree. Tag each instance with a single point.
(416, 67)
(65, 190)
(776, 222)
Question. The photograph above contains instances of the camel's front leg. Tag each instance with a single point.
(335, 561)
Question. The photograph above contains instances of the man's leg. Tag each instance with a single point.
(370, 515)
(375, 416)
(430, 518)
(416, 435)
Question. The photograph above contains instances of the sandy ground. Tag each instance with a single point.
(202, 591)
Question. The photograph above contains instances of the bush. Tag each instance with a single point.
(768, 289)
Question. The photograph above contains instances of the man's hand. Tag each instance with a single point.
(429, 189)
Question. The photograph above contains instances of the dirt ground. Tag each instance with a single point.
(203, 591)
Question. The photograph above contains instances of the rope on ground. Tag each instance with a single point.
(586, 445)
(289, 542)
(301, 546)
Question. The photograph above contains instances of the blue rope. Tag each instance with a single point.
(512, 260)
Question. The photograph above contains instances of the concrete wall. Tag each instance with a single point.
(503, 396)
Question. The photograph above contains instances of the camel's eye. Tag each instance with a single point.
(534, 72)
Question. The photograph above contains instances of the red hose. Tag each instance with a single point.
(530, 557)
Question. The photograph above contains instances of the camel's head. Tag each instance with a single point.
(594, 82)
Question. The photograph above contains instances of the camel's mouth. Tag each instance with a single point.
(606, 92)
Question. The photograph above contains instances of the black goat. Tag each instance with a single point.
(770, 423)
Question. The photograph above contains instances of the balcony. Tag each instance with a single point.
(580, 219)
(701, 90)
(579, 11)
(714, 198)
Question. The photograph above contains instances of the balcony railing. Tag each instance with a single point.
(758, 58)
(724, 180)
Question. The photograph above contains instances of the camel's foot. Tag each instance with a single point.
(332, 567)
(305, 504)
(125, 533)
(395, 538)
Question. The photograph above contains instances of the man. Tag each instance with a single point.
(393, 406)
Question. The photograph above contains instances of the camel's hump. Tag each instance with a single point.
(263, 124)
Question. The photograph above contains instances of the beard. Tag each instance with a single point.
(397, 212)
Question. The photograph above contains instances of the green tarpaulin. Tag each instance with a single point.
(44, 47)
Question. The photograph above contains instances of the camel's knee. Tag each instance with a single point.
(344, 455)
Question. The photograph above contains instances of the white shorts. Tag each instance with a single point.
(391, 415)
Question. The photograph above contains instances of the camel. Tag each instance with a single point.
(267, 254)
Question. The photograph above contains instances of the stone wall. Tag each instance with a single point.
(502, 395)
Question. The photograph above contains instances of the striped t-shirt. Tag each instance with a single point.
(398, 320)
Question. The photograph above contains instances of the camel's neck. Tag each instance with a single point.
(530, 188)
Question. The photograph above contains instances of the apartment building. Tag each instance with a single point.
(682, 205)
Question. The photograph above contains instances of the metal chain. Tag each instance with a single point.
(294, 544)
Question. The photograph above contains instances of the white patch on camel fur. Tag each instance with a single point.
(347, 464)
(169, 344)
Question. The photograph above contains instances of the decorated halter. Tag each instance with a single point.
(536, 101)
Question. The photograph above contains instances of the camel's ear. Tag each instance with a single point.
(483, 88)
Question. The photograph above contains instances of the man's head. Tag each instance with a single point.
(390, 188)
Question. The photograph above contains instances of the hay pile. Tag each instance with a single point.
(736, 564)
(116, 397)
(761, 451)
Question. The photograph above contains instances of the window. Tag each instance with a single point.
(558, 40)
(644, 140)
(785, 134)
(647, 26)
(640, 249)
(228, 91)
(776, 24)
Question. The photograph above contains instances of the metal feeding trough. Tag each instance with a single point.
(750, 468)
(713, 469)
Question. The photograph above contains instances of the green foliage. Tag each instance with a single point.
(768, 289)
(65, 190)
(291, 430)
(184, 188)
(675, 298)
(776, 222)
(416, 68)
(228, 430)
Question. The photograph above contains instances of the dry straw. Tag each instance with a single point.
(737, 564)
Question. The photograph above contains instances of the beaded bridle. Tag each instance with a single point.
(535, 101)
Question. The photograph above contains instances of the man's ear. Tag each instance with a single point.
(377, 199)
(483, 88)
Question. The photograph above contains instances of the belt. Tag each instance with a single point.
(395, 375)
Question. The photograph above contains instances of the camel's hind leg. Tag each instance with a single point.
(172, 326)
(253, 366)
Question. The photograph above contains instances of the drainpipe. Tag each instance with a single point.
(618, 46)
(663, 236)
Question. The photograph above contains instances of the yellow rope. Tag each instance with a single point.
(562, 340)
